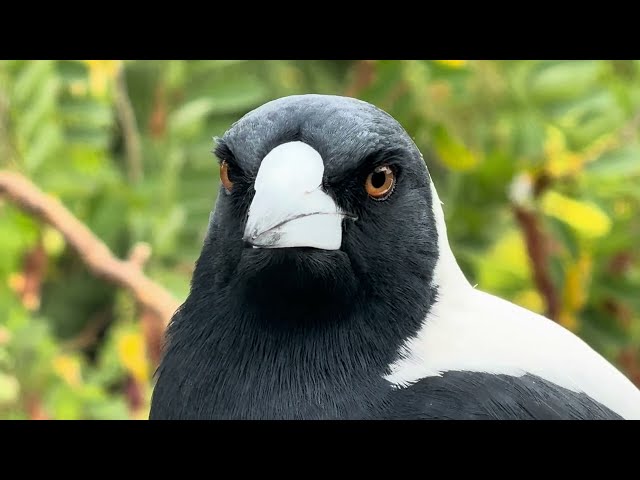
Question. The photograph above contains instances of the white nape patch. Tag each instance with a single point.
(470, 330)
(290, 209)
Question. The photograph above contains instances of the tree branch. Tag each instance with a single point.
(537, 247)
(94, 253)
(129, 125)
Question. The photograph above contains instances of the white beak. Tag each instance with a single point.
(290, 209)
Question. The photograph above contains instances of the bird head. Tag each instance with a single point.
(324, 202)
(322, 197)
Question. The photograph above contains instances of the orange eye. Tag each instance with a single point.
(380, 182)
(224, 176)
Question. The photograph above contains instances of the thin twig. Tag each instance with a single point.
(127, 118)
(537, 247)
(94, 253)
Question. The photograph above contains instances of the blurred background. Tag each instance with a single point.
(107, 181)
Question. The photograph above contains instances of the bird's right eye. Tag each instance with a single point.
(224, 176)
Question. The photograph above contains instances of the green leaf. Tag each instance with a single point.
(29, 81)
(40, 108)
(191, 113)
(112, 409)
(621, 163)
(552, 81)
(528, 136)
(71, 70)
(166, 229)
(64, 403)
(585, 120)
(45, 145)
(86, 114)
(505, 267)
(453, 153)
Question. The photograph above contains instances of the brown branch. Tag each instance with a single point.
(629, 359)
(537, 247)
(158, 119)
(133, 394)
(129, 125)
(152, 329)
(35, 409)
(94, 253)
(28, 284)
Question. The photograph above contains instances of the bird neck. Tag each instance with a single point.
(249, 361)
(447, 272)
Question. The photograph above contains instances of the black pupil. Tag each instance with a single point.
(378, 179)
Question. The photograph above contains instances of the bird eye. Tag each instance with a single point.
(380, 182)
(224, 176)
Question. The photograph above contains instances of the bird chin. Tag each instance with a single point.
(296, 280)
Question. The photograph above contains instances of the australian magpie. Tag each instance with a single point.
(326, 289)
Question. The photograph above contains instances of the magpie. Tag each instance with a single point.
(326, 288)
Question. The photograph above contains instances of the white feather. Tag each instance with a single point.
(470, 330)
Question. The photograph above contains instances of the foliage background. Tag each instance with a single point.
(515, 148)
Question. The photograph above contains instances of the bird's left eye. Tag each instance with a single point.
(380, 182)
(224, 176)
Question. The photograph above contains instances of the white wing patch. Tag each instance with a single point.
(470, 330)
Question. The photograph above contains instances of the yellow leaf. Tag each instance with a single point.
(555, 141)
(560, 161)
(505, 263)
(452, 63)
(585, 218)
(68, 368)
(133, 355)
(101, 73)
(512, 250)
(453, 153)
(576, 283)
(567, 164)
(531, 300)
